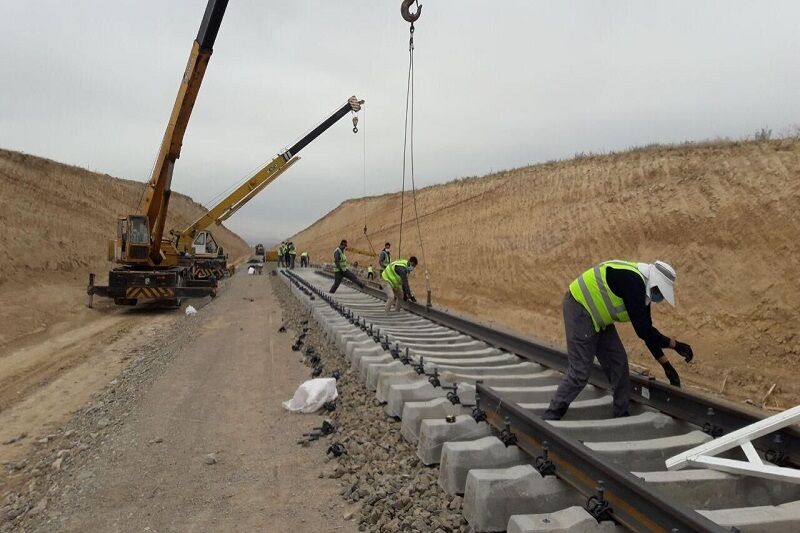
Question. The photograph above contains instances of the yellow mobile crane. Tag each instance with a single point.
(197, 245)
(149, 268)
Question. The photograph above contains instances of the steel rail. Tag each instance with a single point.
(715, 415)
(632, 502)
(625, 499)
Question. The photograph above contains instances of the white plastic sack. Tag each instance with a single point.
(310, 396)
(190, 310)
(251, 271)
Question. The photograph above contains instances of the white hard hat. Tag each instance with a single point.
(662, 276)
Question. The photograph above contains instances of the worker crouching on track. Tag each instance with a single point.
(395, 282)
(613, 291)
(340, 270)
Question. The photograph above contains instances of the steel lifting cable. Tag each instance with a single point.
(364, 168)
(405, 139)
(408, 141)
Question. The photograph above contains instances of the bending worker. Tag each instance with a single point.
(613, 291)
(340, 270)
(370, 272)
(395, 282)
(385, 257)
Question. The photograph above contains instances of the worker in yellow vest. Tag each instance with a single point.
(614, 291)
(370, 272)
(292, 252)
(281, 252)
(340, 270)
(395, 282)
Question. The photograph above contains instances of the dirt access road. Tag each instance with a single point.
(137, 458)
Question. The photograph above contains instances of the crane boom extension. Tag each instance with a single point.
(156, 201)
(245, 192)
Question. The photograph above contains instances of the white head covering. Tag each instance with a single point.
(661, 275)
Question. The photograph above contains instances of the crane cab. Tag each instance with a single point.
(207, 258)
(204, 245)
(132, 244)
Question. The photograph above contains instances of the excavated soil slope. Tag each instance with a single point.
(504, 247)
(55, 221)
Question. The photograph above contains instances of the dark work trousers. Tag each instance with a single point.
(338, 276)
(291, 261)
(583, 344)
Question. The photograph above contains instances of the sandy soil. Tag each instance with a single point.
(137, 456)
(55, 221)
(504, 248)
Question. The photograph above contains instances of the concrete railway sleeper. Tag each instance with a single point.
(471, 405)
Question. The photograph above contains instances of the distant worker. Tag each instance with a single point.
(304, 260)
(286, 254)
(340, 270)
(613, 291)
(385, 257)
(281, 251)
(370, 272)
(395, 282)
(292, 253)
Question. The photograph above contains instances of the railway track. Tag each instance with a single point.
(470, 396)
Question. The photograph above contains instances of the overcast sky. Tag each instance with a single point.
(499, 85)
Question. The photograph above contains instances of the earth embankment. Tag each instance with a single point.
(55, 222)
(504, 247)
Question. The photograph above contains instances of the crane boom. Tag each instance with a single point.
(249, 189)
(148, 271)
(156, 200)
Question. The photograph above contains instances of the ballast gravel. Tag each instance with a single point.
(380, 471)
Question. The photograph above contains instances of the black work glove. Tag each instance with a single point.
(672, 374)
(412, 298)
(684, 350)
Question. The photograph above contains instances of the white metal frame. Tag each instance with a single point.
(704, 456)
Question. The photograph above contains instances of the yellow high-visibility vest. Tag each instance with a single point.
(591, 290)
(390, 276)
(341, 265)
